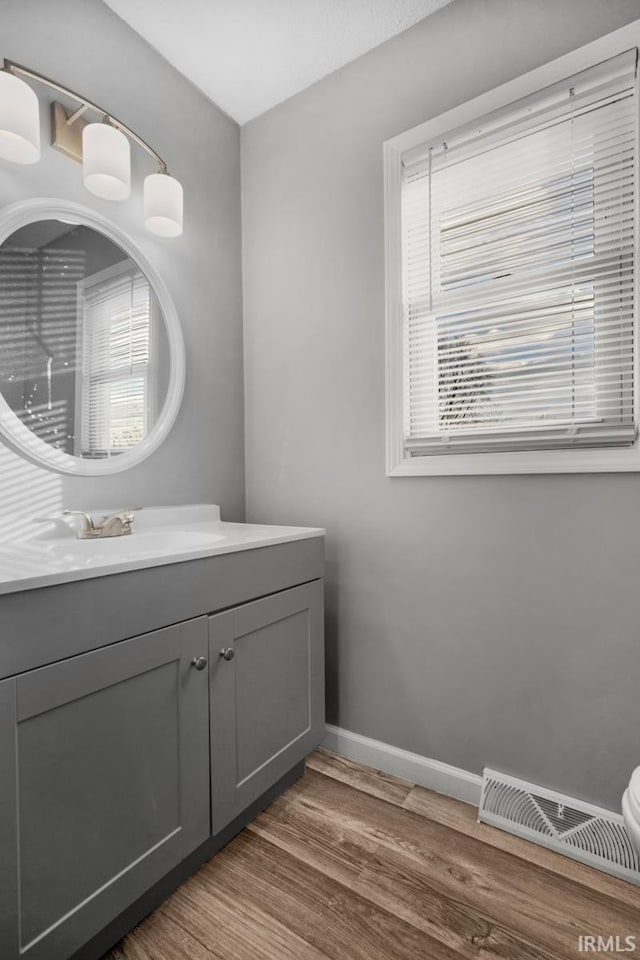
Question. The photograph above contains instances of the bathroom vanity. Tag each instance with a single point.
(154, 696)
(161, 672)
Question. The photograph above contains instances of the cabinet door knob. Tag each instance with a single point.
(227, 653)
(199, 663)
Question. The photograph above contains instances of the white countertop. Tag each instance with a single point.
(51, 553)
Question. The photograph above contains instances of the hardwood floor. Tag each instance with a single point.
(353, 864)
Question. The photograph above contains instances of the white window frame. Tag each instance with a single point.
(578, 460)
(94, 280)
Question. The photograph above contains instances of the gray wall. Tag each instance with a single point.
(85, 46)
(477, 620)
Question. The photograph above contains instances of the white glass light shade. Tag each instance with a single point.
(106, 161)
(19, 120)
(163, 205)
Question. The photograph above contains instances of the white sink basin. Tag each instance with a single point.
(144, 544)
(160, 535)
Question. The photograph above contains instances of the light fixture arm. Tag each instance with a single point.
(18, 70)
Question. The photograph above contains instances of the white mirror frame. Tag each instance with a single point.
(12, 430)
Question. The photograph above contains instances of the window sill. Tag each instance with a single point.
(621, 460)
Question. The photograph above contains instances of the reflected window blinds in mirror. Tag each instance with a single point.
(87, 133)
(76, 336)
(91, 354)
(117, 391)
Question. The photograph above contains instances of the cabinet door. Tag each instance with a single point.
(104, 785)
(267, 702)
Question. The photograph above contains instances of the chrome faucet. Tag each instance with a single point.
(116, 524)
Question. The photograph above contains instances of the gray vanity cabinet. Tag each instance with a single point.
(104, 785)
(267, 694)
(127, 763)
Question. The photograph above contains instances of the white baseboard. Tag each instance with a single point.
(438, 776)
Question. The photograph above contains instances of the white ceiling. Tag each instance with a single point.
(248, 55)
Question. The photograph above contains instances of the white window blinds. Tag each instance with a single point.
(116, 341)
(518, 274)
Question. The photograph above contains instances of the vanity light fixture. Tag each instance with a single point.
(102, 145)
(19, 120)
(106, 161)
(163, 205)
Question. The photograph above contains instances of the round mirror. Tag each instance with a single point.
(91, 354)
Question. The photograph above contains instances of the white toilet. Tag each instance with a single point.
(631, 809)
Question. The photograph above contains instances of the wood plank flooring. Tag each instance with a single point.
(354, 864)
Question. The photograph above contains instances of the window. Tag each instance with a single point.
(511, 284)
(114, 383)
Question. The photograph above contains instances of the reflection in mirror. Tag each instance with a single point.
(84, 356)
